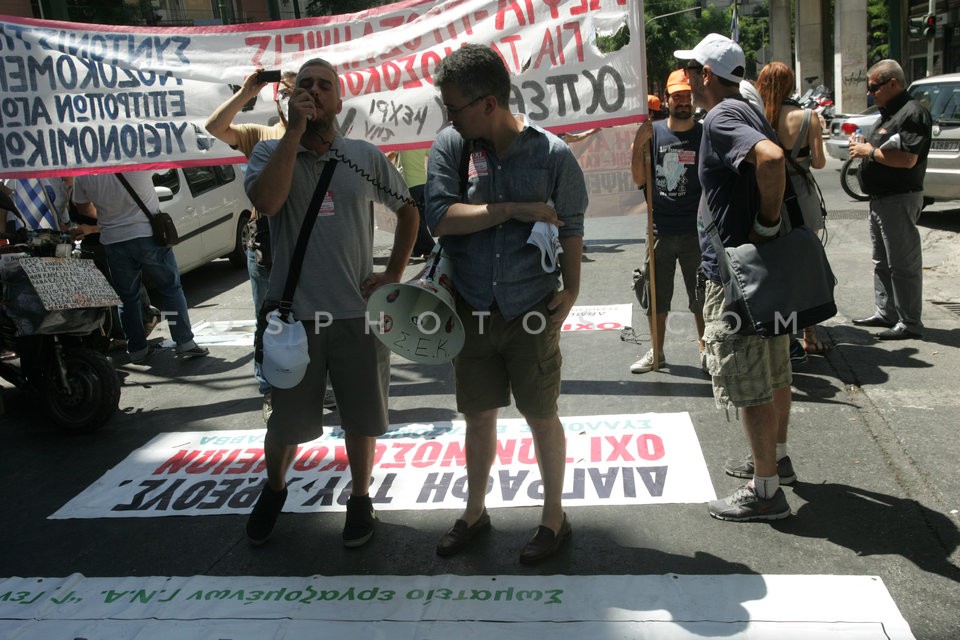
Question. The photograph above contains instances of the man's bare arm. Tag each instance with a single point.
(220, 122)
(768, 158)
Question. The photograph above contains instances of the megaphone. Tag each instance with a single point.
(418, 319)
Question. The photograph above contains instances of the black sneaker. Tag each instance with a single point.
(743, 468)
(264, 515)
(361, 520)
(746, 506)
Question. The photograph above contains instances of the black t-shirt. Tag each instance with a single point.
(677, 196)
(907, 118)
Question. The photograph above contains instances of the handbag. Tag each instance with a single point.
(280, 342)
(775, 287)
(164, 230)
(809, 196)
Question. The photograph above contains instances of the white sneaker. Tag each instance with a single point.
(645, 363)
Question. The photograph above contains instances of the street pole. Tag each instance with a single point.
(932, 7)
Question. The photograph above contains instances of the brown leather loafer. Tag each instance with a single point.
(545, 543)
(461, 534)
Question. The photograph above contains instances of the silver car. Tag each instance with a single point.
(941, 96)
(844, 125)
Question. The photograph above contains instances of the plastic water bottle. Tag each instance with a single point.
(858, 135)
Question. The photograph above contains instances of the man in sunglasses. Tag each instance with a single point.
(743, 179)
(894, 161)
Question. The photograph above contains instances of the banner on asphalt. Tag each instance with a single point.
(76, 97)
(648, 458)
(655, 607)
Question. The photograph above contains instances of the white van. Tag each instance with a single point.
(210, 209)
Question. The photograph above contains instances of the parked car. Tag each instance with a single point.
(210, 209)
(844, 125)
(941, 96)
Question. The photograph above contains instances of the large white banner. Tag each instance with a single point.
(611, 460)
(664, 607)
(76, 97)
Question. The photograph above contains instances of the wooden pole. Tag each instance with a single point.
(641, 167)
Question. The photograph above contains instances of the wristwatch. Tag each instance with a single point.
(872, 153)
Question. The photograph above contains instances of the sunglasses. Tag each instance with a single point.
(872, 88)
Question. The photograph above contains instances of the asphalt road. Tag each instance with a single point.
(873, 439)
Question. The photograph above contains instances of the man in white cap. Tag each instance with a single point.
(743, 179)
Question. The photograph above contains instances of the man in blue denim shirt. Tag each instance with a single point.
(515, 175)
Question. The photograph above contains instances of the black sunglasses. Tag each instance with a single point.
(872, 88)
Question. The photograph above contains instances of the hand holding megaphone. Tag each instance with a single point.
(418, 319)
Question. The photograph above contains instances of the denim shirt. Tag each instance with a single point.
(496, 265)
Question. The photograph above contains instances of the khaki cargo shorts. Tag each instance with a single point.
(522, 355)
(745, 369)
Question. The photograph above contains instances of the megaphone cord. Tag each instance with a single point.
(365, 175)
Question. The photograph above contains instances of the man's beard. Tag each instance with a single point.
(677, 114)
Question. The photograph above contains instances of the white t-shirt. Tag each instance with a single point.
(120, 217)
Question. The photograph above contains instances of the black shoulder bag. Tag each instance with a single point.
(164, 231)
(284, 306)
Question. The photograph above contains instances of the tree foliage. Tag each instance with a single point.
(878, 39)
(667, 33)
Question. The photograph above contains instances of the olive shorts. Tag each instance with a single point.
(668, 250)
(498, 355)
(359, 366)
(745, 369)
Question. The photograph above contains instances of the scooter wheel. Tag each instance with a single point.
(849, 181)
(91, 396)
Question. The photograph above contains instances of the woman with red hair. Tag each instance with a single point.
(801, 137)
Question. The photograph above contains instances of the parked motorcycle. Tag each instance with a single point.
(52, 315)
(819, 98)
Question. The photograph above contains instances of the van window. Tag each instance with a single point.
(227, 173)
(201, 179)
(168, 179)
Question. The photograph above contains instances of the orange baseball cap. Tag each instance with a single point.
(678, 81)
(653, 103)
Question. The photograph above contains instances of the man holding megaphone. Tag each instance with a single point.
(294, 181)
(500, 191)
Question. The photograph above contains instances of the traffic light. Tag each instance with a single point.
(929, 26)
(916, 27)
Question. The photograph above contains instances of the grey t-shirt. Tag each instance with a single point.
(340, 253)
(119, 216)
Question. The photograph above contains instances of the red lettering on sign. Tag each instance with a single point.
(650, 446)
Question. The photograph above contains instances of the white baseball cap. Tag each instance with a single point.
(720, 53)
(285, 353)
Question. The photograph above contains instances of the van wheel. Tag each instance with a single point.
(238, 257)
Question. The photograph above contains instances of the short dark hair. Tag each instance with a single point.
(477, 70)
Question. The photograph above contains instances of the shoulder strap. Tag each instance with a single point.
(134, 195)
(802, 136)
(296, 263)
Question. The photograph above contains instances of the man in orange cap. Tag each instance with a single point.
(654, 107)
(676, 194)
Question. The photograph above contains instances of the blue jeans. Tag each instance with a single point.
(259, 283)
(128, 261)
